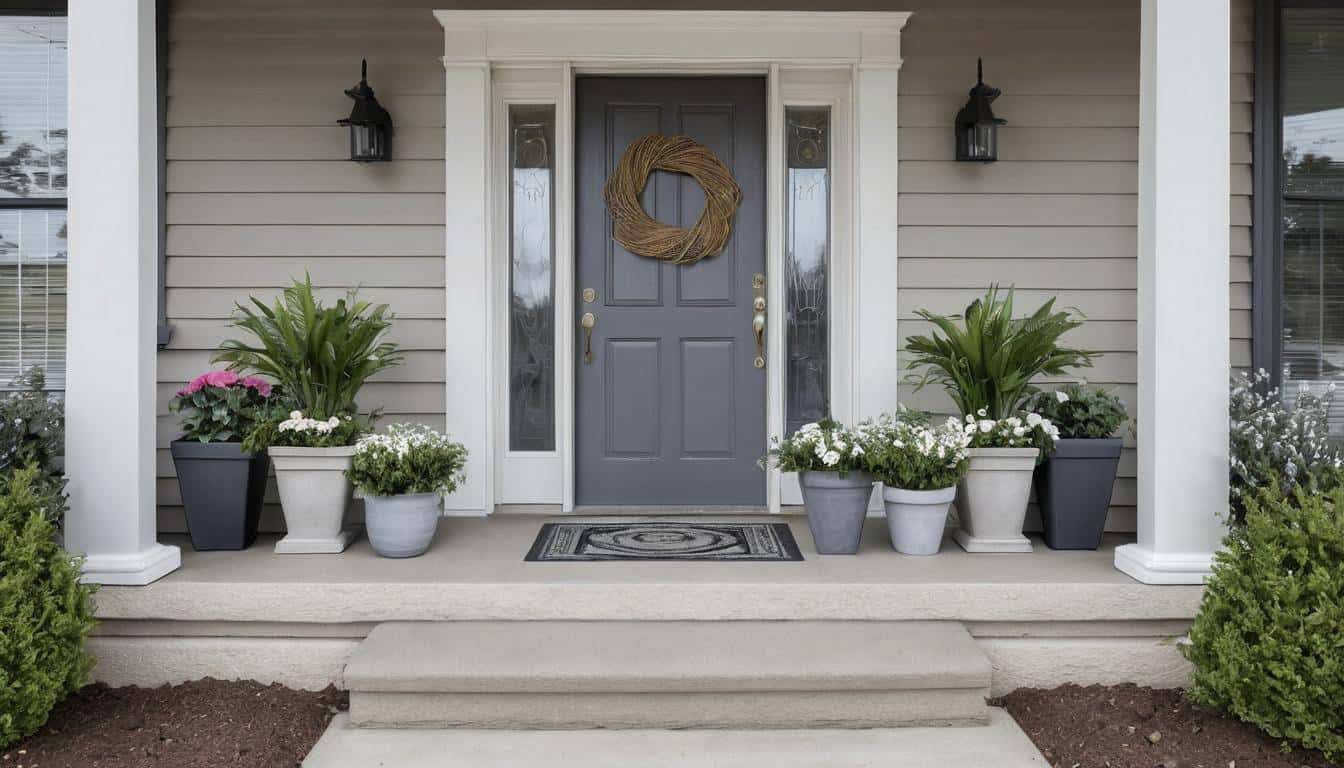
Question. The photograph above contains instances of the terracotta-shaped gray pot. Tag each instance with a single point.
(1073, 489)
(401, 526)
(917, 519)
(222, 490)
(836, 508)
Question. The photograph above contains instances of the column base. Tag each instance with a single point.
(134, 570)
(1143, 564)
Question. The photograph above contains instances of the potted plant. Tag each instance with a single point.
(986, 360)
(919, 466)
(831, 463)
(403, 475)
(992, 496)
(221, 483)
(1073, 486)
(320, 356)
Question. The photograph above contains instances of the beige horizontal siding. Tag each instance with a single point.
(260, 190)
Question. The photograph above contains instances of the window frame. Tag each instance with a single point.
(1267, 187)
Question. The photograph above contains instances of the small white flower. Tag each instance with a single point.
(295, 415)
(1061, 396)
(1033, 419)
(986, 426)
(830, 458)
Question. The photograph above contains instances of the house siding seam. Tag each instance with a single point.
(259, 190)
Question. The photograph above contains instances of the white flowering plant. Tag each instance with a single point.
(409, 458)
(917, 456)
(1026, 430)
(824, 446)
(1277, 442)
(1080, 411)
(298, 431)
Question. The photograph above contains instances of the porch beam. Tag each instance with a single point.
(112, 313)
(1184, 125)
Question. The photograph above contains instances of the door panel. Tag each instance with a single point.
(671, 409)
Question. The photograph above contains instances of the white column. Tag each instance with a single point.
(109, 399)
(1183, 290)
(469, 296)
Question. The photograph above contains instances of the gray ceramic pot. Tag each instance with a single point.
(222, 490)
(401, 526)
(1073, 488)
(836, 507)
(917, 519)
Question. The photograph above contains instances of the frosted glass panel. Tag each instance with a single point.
(33, 128)
(531, 279)
(807, 254)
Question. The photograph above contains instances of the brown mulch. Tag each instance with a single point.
(193, 725)
(1126, 726)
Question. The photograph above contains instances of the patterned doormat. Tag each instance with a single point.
(583, 542)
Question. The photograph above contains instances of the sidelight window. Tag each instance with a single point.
(807, 257)
(532, 278)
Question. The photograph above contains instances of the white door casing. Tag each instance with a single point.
(847, 61)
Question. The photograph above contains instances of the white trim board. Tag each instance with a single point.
(839, 60)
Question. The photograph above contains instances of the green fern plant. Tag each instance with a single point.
(986, 358)
(320, 356)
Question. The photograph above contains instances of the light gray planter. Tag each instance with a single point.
(836, 507)
(401, 526)
(315, 494)
(992, 499)
(1073, 488)
(917, 519)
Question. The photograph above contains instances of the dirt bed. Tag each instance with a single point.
(1125, 726)
(194, 725)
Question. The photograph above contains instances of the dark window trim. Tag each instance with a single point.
(1267, 189)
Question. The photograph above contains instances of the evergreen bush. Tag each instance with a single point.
(45, 613)
(1268, 643)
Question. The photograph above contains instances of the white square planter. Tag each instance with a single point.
(992, 499)
(315, 494)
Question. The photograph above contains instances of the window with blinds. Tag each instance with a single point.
(33, 170)
(1311, 178)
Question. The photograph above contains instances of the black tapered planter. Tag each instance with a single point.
(1073, 489)
(222, 490)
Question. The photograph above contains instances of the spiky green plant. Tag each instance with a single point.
(320, 356)
(986, 359)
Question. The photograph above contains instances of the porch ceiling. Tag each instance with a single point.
(475, 571)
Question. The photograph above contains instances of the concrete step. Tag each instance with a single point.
(719, 674)
(1001, 744)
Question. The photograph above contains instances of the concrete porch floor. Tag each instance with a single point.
(1042, 617)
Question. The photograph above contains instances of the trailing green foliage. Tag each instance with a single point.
(410, 458)
(1268, 643)
(1080, 411)
(319, 356)
(45, 613)
(986, 359)
(32, 425)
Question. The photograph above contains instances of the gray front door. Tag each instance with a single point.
(671, 409)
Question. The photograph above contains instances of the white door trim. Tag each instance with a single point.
(533, 57)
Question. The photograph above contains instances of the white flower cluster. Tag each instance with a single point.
(1274, 440)
(948, 442)
(1010, 432)
(402, 440)
(829, 445)
(297, 423)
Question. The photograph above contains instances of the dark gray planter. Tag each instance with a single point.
(222, 490)
(836, 507)
(1073, 489)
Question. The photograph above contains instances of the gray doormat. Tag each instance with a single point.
(590, 541)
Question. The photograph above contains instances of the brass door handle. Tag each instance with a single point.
(589, 320)
(758, 318)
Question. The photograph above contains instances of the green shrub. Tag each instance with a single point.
(45, 613)
(1268, 643)
(410, 458)
(1080, 411)
(32, 425)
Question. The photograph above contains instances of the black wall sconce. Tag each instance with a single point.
(370, 124)
(977, 128)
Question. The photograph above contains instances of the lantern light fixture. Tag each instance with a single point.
(977, 128)
(370, 125)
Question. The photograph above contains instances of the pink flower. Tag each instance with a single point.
(262, 386)
(210, 379)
